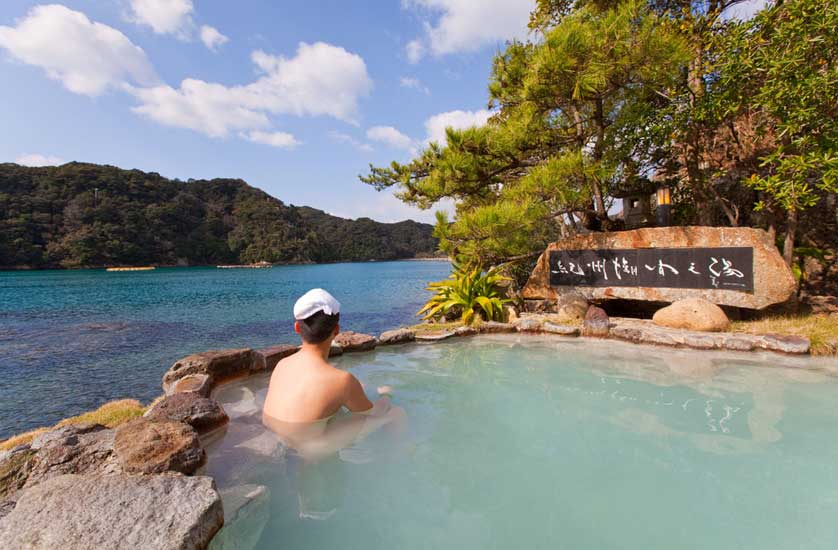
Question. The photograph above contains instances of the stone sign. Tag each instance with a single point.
(725, 265)
(729, 268)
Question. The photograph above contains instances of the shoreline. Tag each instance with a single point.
(24, 269)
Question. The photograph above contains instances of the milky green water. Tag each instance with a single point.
(524, 442)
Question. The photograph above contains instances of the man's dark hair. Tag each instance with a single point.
(318, 327)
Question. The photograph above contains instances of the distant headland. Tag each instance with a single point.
(88, 215)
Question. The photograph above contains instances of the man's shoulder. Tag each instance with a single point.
(342, 375)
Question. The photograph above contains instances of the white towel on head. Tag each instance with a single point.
(313, 301)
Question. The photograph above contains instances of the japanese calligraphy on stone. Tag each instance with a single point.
(728, 268)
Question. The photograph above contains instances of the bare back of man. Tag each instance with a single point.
(306, 392)
(304, 396)
(305, 388)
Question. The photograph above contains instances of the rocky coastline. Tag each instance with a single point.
(140, 485)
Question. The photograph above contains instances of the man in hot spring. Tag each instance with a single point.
(306, 395)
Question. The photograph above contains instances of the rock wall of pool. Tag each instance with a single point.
(522, 435)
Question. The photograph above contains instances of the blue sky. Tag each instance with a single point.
(100, 81)
(296, 98)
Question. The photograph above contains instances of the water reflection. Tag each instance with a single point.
(304, 463)
(742, 406)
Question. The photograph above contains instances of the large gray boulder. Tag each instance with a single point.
(83, 449)
(146, 447)
(202, 413)
(692, 314)
(80, 449)
(81, 512)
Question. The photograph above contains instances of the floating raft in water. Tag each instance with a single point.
(141, 268)
(257, 265)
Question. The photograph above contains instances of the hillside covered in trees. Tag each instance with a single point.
(86, 215)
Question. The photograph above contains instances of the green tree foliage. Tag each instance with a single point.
(556, 147)
(739, 118)
(81, 215)
(784, 64)
(469, 293)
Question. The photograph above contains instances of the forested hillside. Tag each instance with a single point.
(79, 215)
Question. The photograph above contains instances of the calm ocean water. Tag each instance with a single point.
(72, 340)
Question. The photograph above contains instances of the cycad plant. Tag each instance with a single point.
(470, 291)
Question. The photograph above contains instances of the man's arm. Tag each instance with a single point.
(355, 398)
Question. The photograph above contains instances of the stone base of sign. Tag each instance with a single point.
(773, 280)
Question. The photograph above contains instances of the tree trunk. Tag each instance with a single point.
(596, 189)
(772, 232)
(791, 230)
(599, 203)
(704, 201)
(732, 215)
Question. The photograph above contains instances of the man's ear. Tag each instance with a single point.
(337, 330)
(297, 327)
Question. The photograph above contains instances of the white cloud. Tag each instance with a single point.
(468, 25)
(283, 140)
(34, 159)
(415, 50)
(164, 16)
(458, 120)
(384, 207)
(391, 137)
(212, 38)
(212, 109)
(320, 79)
(744, 10)
(414, 83)
(340, 137)
(85, 56)
(434, 126)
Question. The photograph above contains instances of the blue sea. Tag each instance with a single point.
(73, 340)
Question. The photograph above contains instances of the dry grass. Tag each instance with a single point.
(20, 439)
(110, 414)
(821, 330)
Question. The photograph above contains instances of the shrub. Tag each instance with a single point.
(469, 292)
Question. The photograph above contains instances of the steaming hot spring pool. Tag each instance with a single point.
(525, 442)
